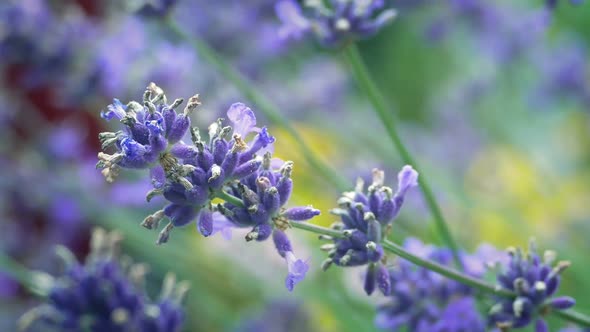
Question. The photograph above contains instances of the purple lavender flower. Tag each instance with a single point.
(336, 23)
(365, 220)
(534, 280)
(152, 131)
(102, 295)
(424, 301)
(191, 176)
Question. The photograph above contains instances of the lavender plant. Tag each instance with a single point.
(105, 294)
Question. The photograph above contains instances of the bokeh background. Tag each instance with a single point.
(492, 97)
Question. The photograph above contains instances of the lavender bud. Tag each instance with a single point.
(205, 223)
(563, 302)
(369, 285)
(301, 213)
(246, 169)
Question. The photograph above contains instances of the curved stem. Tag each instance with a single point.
(363, 78)
(267, 107)
(569, 315)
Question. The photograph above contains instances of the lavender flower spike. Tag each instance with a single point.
(365, 218)
(334, 24)
(189, 176)
(534, 280)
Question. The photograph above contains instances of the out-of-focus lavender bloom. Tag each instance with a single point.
(365, 219)
(564, 74)
(104, 295)
(278, 316)
(335, 23)
(534, 280)
(422, 300)
(245, 34)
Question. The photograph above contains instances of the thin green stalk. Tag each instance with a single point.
(37, 282)
(316, 229)
(569, 315)
(267, 107)
(363, 78)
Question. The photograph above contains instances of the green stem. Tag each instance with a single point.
(569, 315)
(573, 316)
(363, 78)
(316, 229)
(267, 107)
(37, 282)
(229, 198)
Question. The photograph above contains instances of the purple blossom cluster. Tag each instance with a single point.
(366, 218)
(103, 294)
(226, 165)
(335, 22)
(534, 280)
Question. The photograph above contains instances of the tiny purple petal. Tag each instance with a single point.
(222, 225)
(116, 109)
(243, 119)
(297, 269)
(407, 178)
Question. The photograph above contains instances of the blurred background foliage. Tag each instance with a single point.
(498, 118)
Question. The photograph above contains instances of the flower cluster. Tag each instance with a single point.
(106, 295)
(227, 166)
(366, 217)
(423, 300)
(335, 24)
(534, 280)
